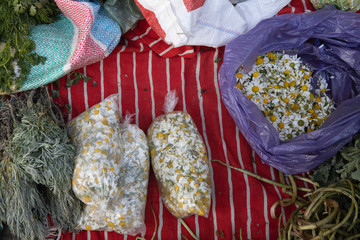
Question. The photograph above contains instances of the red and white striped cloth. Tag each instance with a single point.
(142, 69)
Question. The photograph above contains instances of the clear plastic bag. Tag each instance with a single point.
(180, 163)
(113, 186)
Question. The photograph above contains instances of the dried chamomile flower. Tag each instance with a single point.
(125, 213)
(96, 135)
(180, 163)
(281, 86)
(115, 196)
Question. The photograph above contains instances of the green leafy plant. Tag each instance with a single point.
(17, 50)
(344, 165)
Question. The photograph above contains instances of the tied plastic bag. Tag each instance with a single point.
(179, 161)
(111, 169)
(345, 5)
(329, 42)
(83, 35)
(96, 134)
(205, 22)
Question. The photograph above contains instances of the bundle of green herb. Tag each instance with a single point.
(17, 53)
(344, 165)
(36, 166)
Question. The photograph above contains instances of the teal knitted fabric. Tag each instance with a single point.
(54, 42)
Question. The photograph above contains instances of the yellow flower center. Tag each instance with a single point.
(281, 125)
(255, 74)
(311, 96)
(238, 85)
(272, 118)
(304, 88)
(259, 61)
(255, 89)
(239, 75)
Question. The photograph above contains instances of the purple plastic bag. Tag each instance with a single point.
(329, 42)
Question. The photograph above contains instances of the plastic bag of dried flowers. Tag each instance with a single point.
(281, 86)
(111, 169)
(179, 161)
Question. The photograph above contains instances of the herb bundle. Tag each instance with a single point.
(17, 55)
(36, 166)
(344, 165)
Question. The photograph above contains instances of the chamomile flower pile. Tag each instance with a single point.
(280, 85)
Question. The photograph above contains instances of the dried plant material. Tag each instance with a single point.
(281, 86)
(180, 163)
(111, 169)
(36, 164)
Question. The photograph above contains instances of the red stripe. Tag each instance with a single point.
(144, 91)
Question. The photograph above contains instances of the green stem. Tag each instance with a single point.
(247, 172)
(188, 229)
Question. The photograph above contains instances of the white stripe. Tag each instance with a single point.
(305, 8)
(266, 216)
(246, 178)
(166, 50)
(151, 85)
(85, 92)
(205, 136)
(279, 195)
(160, 217)
(141, 47)
(142, 35)
(105, 235)
(136, 91)
(184, 110)
(126, 42)
(102, 79)
(73, 236)
(125, 237)
(167, 74)
(154, 42)
(119, 81)
(292, 8)
(186, 52)
(231, 191)
(179, 230)
(122, 48)
(153, 117)
(183, 82)
(88, 235)
(197, 228)
(70, 104)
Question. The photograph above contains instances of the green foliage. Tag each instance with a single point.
(36, 166)
(344, 165)
(17, 54)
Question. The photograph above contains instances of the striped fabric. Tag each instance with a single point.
(142, 78)
(84, 34)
